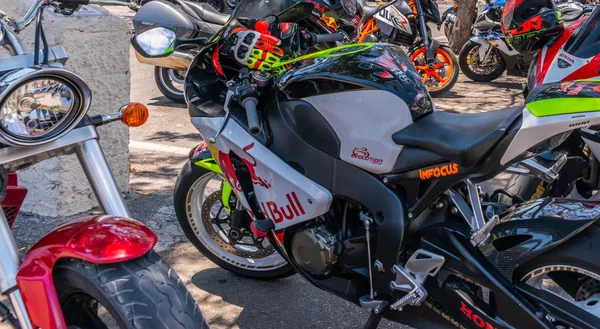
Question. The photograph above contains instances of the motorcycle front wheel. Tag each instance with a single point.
(170, 83)
(440, 78)
(206, 223)
(138, 294)
(472, 67)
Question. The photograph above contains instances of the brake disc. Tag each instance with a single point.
(214, 227)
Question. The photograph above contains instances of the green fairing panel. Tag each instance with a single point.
(567, 98)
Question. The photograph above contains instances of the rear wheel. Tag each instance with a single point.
(571, 271)
(138, 294)
(170, 83)
(473, 67)
(202, 215)
(441, 76)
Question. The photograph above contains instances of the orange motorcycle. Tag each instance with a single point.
(405, 23)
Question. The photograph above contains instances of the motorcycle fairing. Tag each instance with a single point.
(545, 114)
(345, 181)
(555, 63)
(534, 228)
(392, 18)
(365, 134)
(283, 194)
(497, 40)
(98, 240)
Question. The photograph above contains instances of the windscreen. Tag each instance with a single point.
(585, 42)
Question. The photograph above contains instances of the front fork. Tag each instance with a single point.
(9, 266)
(109, 197)
(424, 35)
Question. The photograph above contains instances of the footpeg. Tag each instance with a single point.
(483, 233)
(410, 278)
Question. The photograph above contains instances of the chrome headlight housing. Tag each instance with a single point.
(40, 104)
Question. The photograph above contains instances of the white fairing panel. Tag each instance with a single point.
(391, 16)
(569, 65)
(283, 194)
(535, 130)
(365, 121)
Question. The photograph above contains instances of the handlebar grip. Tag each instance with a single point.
(74, 2)
(325, 38)
(253, 123)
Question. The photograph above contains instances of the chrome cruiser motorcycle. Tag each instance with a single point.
(341, 160)
(96, 271)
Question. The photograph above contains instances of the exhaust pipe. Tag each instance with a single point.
(177, 60)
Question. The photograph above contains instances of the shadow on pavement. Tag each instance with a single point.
(286, 303)
(163, 101)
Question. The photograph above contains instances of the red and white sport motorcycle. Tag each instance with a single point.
(574, 55)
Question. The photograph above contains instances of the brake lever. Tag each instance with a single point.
(228, 97)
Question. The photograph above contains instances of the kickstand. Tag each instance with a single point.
(373, 321)
(375, 317)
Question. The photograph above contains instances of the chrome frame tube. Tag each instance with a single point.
(9, 266)
(100, 177)
(11, 41)
(19, 309)
(29, 15)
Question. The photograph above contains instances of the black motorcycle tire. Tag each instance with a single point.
(166, 87)
(448, 27)
(466, 70)
(523, 185)
(186, 179)
(138, 294)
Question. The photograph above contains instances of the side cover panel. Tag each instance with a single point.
(284, 195)
(364, 121)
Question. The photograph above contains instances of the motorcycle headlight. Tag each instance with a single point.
(39, 105)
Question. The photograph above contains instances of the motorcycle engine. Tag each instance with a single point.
(313, 250)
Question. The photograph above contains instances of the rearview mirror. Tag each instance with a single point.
(157, 42)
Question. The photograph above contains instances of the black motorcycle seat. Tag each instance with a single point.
(461, 138)
(208, 13)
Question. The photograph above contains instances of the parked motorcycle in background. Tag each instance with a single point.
(486, 56)
(191, 21)
(96, 271)
(575, 55)
(404, 23)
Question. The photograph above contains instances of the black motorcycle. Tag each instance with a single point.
(380, 205)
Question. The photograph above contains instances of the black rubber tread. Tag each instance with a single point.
(454, 77)
(162, 71)
(140, 294)
(524, 186)
(188, 175)
(582, 251)
(466, 70)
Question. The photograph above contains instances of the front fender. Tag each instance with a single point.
(97, 239)
(534, 228)
(201, 157)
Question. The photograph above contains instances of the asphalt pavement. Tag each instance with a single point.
(158, 151)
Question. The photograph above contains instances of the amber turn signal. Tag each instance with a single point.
(134, 114)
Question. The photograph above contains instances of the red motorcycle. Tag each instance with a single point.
(95, 272)
(573, 56)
